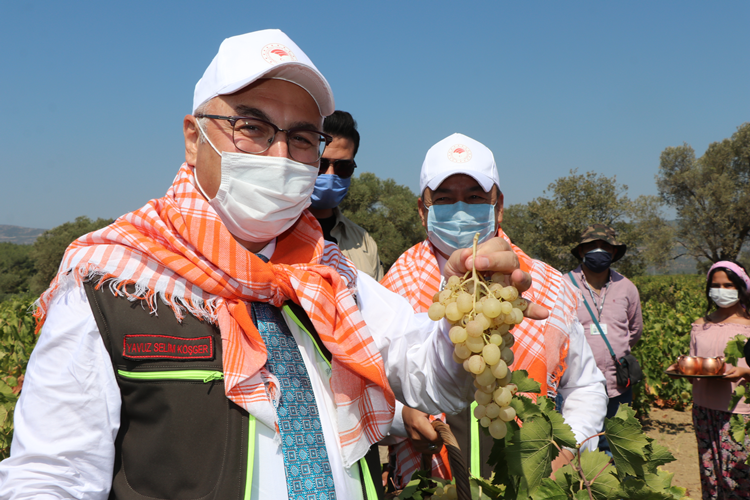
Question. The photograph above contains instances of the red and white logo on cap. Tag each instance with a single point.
(275, 53)
(459, 153)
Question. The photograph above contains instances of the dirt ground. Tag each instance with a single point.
(674, 429)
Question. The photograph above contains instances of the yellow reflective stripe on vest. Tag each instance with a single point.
(372, 494)
(294, 317)
(476, 464)
(205, 375)
(250, 457)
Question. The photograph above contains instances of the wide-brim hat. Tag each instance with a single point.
(604, 233)
(243, 59)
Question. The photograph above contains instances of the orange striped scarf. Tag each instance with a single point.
(176, 249)
(541, 346)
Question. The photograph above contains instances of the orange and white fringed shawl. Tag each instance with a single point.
(541, 346)
(176, 249)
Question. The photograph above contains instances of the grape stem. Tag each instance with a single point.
(474, 268)
(578, 452)
(578, 469)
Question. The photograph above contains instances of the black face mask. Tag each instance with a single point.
(597, 260)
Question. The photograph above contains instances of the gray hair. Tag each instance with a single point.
(203, 122)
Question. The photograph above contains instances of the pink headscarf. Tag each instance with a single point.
(734, 268)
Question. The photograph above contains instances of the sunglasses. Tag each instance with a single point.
(342, 168)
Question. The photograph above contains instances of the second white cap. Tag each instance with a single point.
(458, 154)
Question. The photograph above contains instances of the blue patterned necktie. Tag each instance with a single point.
(308, 472)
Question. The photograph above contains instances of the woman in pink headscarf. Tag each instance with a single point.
(724, 474)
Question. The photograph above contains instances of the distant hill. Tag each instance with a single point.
(682, 265)
(19, 235)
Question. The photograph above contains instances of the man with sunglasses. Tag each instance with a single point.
(336, 169)
(212, 344)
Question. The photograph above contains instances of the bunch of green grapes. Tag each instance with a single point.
(447, 492)
(482, 313)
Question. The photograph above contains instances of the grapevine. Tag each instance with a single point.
(482, 313)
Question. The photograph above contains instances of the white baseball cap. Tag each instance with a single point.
(458, 154)
(243, 59)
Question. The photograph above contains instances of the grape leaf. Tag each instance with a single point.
(678, 492)
(488, 491)
(524, 383)
(658, 455)
(737, 427)
(735, 349)
(561, 432)
(420, 484)
(581, 495)
(531, 452)
(660, 481)
(525, 408)
(5, 389)
(638, 489)
(626, 442)
(498, 458)
(410, 492)
(598, 470)
(737, 395)
(567, 479)
(549, 490)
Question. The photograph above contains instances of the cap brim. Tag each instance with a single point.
(295, 72)
(482, 179)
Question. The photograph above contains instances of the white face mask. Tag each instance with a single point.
(260, 197)
(724, 297)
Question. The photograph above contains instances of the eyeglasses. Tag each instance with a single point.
(342, 168)
(253, 135)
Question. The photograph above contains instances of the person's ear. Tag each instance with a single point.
(422, 212)
(192, 138)
(499, 208)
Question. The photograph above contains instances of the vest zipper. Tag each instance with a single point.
(205, 375)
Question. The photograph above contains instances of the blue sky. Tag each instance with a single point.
(94, 93)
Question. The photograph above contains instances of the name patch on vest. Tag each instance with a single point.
(147, 346)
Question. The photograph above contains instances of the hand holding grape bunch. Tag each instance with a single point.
(482, 313)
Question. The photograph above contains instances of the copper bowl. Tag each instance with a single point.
(690, 365)
(713, 366)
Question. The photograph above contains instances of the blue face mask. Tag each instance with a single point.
(450, 227)
(598, 260)
(329, 190)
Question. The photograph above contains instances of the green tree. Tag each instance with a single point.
(711, 195)
(548, 227)
(48, 249)
(16, 269)
(388, 211)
